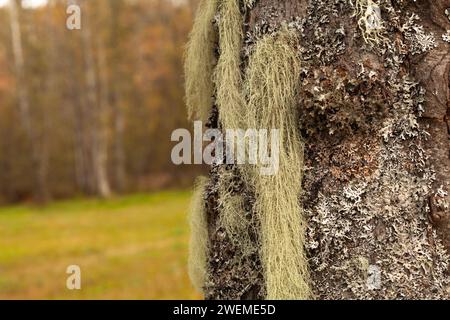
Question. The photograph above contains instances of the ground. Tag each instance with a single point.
(132, 247)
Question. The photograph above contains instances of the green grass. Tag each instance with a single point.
(132, 247)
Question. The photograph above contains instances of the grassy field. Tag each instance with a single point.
(132, 247)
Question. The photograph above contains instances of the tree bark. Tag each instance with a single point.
(433, 72)
(375, 123)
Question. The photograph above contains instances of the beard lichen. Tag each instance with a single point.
(271, 84)
(227, 75)
(198, 244)
(200, 61)
(265, 99)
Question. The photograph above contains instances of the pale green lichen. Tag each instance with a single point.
(200, 61)
(227, 75)
(198, 244)
(271, 85)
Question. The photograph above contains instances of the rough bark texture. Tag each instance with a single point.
(375, 121)
(433, 72)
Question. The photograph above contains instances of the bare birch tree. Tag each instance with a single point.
(97, 115)
(37, 146)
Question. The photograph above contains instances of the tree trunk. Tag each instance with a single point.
(97, 124)
(37, 146)
(374, 107)
(115, 81)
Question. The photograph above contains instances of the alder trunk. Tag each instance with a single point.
(374, 110)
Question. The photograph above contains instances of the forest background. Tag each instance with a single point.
(85, 172)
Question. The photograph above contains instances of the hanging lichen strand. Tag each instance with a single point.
(227, 76)
(270, 86)
(231, 105)
(272, 80)
(200, 61)
(198, 244)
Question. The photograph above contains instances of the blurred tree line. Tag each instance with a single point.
(91, 111)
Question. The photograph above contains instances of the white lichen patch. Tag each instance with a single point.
(440, 197)
(418, 40)
(384, 221)
(403, 124)
(446, 36)
(249, 3)
(366, 193)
